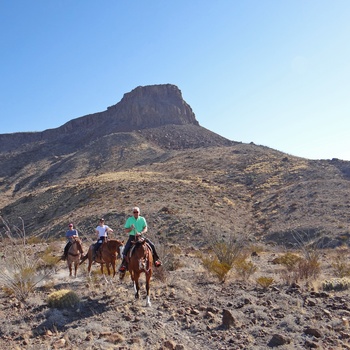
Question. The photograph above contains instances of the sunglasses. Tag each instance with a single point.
(135, 212)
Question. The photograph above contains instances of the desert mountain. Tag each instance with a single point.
(149, 150)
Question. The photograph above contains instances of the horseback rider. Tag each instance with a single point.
(102, 231)
(136, 224)
(71, 234)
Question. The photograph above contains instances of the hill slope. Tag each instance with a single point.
(178, 172)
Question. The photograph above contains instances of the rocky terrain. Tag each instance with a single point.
(190, 310)
(192, 185)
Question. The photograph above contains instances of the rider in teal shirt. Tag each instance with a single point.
(137, 224)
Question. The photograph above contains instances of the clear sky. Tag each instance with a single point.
(272, 72)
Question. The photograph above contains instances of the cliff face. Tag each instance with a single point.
(149, 107)
(142, 108)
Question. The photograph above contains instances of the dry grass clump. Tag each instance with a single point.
(20, 271)
(62, 299)
(298, 267)
(264, 282)
(341, 266)
(48, 259)
(244, 268)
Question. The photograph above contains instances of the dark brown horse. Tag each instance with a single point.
(110, 251)
(73, 257)
(140, 260)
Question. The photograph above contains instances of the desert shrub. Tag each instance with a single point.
(264, 281)
(47, 258)
(33, 240)
(306, 264)
(223, 253)
(336, 284)
(20, 271)
(62, 299)
(244, 268)
(214, 266)
(298, 268)
(227, 251)
(341, 266)
(288, 260)
(309, 268)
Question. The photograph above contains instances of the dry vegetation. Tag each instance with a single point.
(229, 294)
(254, 245)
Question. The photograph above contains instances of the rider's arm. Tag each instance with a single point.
(129, 229)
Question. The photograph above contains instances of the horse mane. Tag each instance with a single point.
(114, 243)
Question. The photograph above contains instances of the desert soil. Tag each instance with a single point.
(190, 310)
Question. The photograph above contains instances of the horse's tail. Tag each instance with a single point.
(84, 258)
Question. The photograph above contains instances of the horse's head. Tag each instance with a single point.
(116, 246)
(121, 248)
(78, 242)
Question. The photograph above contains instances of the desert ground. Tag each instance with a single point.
(191, 308)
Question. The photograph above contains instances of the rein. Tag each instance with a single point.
(146, 250)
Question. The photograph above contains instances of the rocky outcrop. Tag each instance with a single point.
(142, 108)
(151, 106)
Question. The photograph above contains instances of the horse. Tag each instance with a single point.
(108, 253)
(73, 256)
(140, 261)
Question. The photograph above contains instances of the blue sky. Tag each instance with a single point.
(272, 72)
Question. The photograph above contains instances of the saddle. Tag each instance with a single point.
(98, 252)
(139, 239)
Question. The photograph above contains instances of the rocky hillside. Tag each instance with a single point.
(192, 185)
(150, 150)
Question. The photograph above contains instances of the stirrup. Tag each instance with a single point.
(157, 263)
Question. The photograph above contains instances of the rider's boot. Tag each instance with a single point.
(123, 266)
(156, 260)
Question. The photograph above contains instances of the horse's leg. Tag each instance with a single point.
(104, 276)
(113, 266)
(69, 264)
(76, 268)
(148, 280)
(89, 267)
(136, 286)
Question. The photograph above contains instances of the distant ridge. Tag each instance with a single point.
(144, 107)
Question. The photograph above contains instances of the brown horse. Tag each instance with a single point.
(140, 260)
(73, 257)
(110, 251)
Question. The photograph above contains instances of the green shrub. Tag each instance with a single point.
(62, 299)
